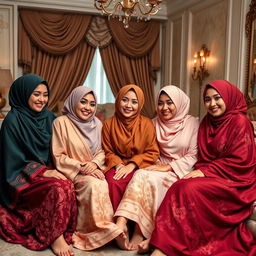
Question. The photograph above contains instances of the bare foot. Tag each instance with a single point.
(157, 252)
(137, 238)
(123, 239)
(143, 247)
(61, 248)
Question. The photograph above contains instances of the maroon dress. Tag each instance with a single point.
(206, 216)
(43, 212)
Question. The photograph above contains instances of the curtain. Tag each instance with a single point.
(60, 48)
(53, 46)
(133, 58)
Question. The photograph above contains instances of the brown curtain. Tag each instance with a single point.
(133, 57)
(53, 45)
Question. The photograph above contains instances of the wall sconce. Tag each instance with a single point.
(200, 69)
(5, 82)
(201, 59)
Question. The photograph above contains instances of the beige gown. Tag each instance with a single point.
(95, 213)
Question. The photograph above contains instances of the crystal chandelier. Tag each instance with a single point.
(125, 9)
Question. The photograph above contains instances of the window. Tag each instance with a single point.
(97, 80)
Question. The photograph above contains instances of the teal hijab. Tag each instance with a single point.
(24, 140)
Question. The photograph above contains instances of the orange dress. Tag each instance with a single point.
(126, 140)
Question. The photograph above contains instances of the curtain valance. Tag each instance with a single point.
(55, 33)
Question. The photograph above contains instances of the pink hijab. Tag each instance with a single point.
(169, 132)
(91, 128)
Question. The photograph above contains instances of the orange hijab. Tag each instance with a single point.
(126, 138)
(125, 128)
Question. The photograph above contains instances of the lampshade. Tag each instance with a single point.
(5, 78)
(5, 83)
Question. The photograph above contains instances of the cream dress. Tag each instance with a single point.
(95, 227)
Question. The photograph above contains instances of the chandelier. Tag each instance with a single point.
(125, 9)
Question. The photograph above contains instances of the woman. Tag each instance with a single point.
(129, 142)
(176, 133)
(77, 153)
(205, 212)
(38, 203)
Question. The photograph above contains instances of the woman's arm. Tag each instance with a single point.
(68, 166)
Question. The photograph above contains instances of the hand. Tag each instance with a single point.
(123, 170)
(54, 174)
(159, 167)
(97, 174)
(194, 174)
(88, 168)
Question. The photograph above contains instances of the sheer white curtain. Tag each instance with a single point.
(97, 80)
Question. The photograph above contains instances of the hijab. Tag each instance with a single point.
(226, 143)
(125, 128)
(234, 100)
(24, 138)
(129, 139)
(169, 131)
(90, 128)
(122, 129)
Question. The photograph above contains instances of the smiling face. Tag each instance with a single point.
(129, 104)
(166, 109)
(214, 103)
(86, 107)
(39, 98)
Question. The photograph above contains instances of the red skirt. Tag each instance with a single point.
(203, 217)
(117, 187)
(43, 212)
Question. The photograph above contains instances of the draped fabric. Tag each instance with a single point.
(24, 140)
(129, 139)
(60, 47)
(53, 46)
(207, 216)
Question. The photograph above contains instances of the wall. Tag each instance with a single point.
(220, 24)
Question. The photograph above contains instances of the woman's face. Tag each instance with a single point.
(39, 98)
(129, 104)
(86, 106)
(214, 103)
(166, 109)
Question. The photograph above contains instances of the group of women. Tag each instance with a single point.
(166, 185)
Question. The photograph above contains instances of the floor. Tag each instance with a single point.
(8, 249)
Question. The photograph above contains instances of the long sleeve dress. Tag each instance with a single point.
(95, 213)
(206, 216)
(127, 140)
(34, 210)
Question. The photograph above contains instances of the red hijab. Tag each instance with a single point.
(226, 144)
